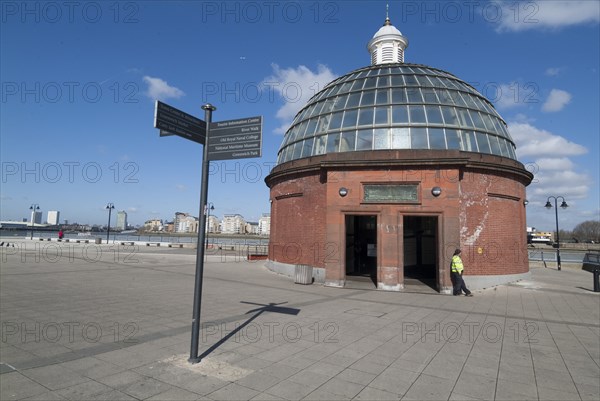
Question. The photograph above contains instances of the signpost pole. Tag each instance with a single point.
(233, 139)
(194, 358)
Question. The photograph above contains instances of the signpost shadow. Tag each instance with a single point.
(271, 307)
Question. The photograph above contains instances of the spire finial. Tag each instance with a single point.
(387, 15)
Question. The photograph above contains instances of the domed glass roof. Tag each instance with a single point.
(396, 106)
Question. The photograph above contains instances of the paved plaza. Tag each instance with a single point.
(98, 322)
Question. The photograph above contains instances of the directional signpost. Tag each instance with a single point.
(233, 139)
(172, 121)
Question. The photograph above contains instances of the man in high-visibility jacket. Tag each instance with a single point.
(456, 271)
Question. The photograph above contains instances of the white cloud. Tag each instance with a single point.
(535, 142)
(554, 163)
(526, 15)
(502, 100)
(572, 184)
(556, 101)
(512, 95)
(159, 89)
(554, 172)
(553, 71)
(522, 118)
(296, 86)
(181, 187)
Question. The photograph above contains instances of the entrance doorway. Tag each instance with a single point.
(361, 248)
(421, 250)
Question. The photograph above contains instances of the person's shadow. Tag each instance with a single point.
(271, 307)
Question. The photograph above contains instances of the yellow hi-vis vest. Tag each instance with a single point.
(457, 264)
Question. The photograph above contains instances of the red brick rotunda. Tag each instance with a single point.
(391, 167)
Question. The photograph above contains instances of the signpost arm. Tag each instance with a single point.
(194, 358)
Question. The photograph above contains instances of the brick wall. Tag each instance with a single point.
(480, 209)
(297, 220)
(492, 218)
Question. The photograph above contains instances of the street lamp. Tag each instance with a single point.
(209, 207)
(549, 206)
(33, 207)
(110, 207)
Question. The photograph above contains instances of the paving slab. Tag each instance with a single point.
(16, 386)
(475, 386)
(341, 387)
(370, 393)
(84, 391)
(397, 381)
(112, 329)
(233, 391)
(511, 390)
(429, 388)
(356, 376)
(54, 377)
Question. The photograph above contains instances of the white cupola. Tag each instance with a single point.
(387, 45)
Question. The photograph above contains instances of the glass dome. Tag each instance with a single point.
(396, 106)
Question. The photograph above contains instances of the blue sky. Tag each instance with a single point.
(79, 82)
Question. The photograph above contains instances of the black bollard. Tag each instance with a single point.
(597, 280)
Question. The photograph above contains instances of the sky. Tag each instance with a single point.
(80, 79)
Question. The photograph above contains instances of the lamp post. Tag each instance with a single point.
(549, 206)
(33, 207)
(110, 207)
(209, 207)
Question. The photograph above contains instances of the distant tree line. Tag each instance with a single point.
(588, 231)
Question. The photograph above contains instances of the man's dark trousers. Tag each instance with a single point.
(458, 284)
